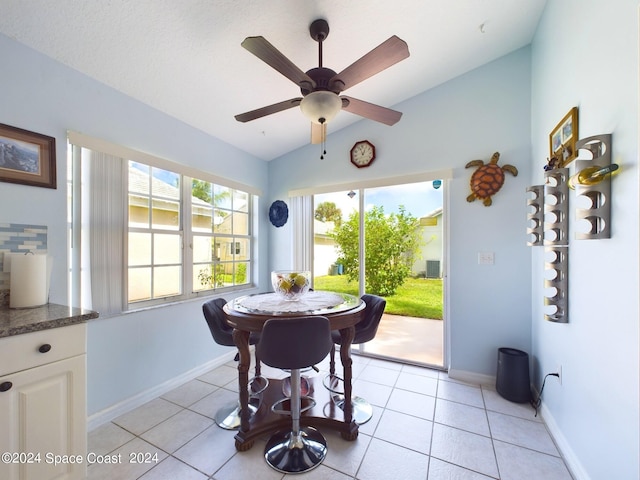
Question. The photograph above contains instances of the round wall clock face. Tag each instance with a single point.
(363, 153)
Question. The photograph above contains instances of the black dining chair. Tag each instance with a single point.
(366, 330)
(295, 343)
(228, 417)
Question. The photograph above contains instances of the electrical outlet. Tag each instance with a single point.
(559, 372)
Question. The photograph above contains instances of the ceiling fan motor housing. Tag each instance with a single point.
(322, 77)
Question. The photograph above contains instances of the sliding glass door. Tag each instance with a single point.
(387, 241)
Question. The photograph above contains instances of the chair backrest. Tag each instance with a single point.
(294, 342)
(366, 329)
(213, 313)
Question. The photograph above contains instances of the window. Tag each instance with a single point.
(155, 239)
(163, 216)
(148, 231)
(219, 217)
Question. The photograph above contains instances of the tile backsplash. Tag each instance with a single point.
(16, 238)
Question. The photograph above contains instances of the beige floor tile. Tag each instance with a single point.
(405, 430)
(521, 432)
(107, 438)
(189, 393)
(464, 417)
(147, 416)
(386, 461)
(134, 459)
(517, 463)
(457, 392)
(469, 450)
(172, 469)
(176, 431)
(208, 451)
(411, 403)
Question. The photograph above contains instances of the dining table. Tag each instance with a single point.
(248, 314)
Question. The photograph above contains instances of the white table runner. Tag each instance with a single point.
(274, 303)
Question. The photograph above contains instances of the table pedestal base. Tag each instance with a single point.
(324, 415)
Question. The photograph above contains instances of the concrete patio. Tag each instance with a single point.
(408, 339)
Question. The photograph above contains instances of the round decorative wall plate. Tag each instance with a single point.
(278, 213)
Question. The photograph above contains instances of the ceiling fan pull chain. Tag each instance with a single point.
(323, 143)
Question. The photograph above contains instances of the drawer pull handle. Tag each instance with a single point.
(44, 348)
(4, 386)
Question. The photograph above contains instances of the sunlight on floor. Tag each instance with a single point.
(414, 340)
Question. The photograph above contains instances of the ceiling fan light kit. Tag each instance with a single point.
(321, 106)
(321, 87)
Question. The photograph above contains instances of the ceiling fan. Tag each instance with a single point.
(321, 87)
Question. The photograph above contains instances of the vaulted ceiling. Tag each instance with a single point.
(184, 58)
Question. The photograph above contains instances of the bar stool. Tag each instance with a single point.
(228, 417)
(295, 343)
(366, 329)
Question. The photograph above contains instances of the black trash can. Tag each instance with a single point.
(512, 380)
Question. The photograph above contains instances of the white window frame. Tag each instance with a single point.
(186, 174)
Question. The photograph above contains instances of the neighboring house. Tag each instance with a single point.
(325, 252)
(429, 262)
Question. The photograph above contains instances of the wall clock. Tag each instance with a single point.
(363, 153)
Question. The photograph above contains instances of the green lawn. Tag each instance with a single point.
(417, 297)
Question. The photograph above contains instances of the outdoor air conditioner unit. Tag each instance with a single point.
(433, 269)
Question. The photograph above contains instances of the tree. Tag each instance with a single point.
(328, 212)
(201, 189)
(391, 244)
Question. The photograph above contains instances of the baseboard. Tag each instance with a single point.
(472, 377)
(563, 445)
(114, 411)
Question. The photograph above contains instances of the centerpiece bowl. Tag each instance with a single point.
(291, 284)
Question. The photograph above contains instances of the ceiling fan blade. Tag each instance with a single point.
(388, 53)
(270, 55)
(268, 110)
(370, 110)
(318, 132)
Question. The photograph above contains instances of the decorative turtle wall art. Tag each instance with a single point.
(488, 179)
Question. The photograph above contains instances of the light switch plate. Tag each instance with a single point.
(485, 258)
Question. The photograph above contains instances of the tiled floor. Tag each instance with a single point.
(425, 426)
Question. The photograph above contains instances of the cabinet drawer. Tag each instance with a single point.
(20, 352)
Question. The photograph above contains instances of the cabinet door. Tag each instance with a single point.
(44, 413)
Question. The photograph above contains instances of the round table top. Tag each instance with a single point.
(249, 312)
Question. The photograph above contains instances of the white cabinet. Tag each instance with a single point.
(43, 405)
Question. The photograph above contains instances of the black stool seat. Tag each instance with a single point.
(228, 417)
(366, 331)
(295, 343)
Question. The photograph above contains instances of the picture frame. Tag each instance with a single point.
(563, 139)
(27, 158)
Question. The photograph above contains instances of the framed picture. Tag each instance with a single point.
(26, 157)
(563, 138)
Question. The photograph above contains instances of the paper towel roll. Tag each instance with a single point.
(28, 283)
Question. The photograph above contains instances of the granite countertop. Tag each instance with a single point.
(27, 320)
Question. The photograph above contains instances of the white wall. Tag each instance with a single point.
(585, 54)
(131, 353)
(471, 117)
